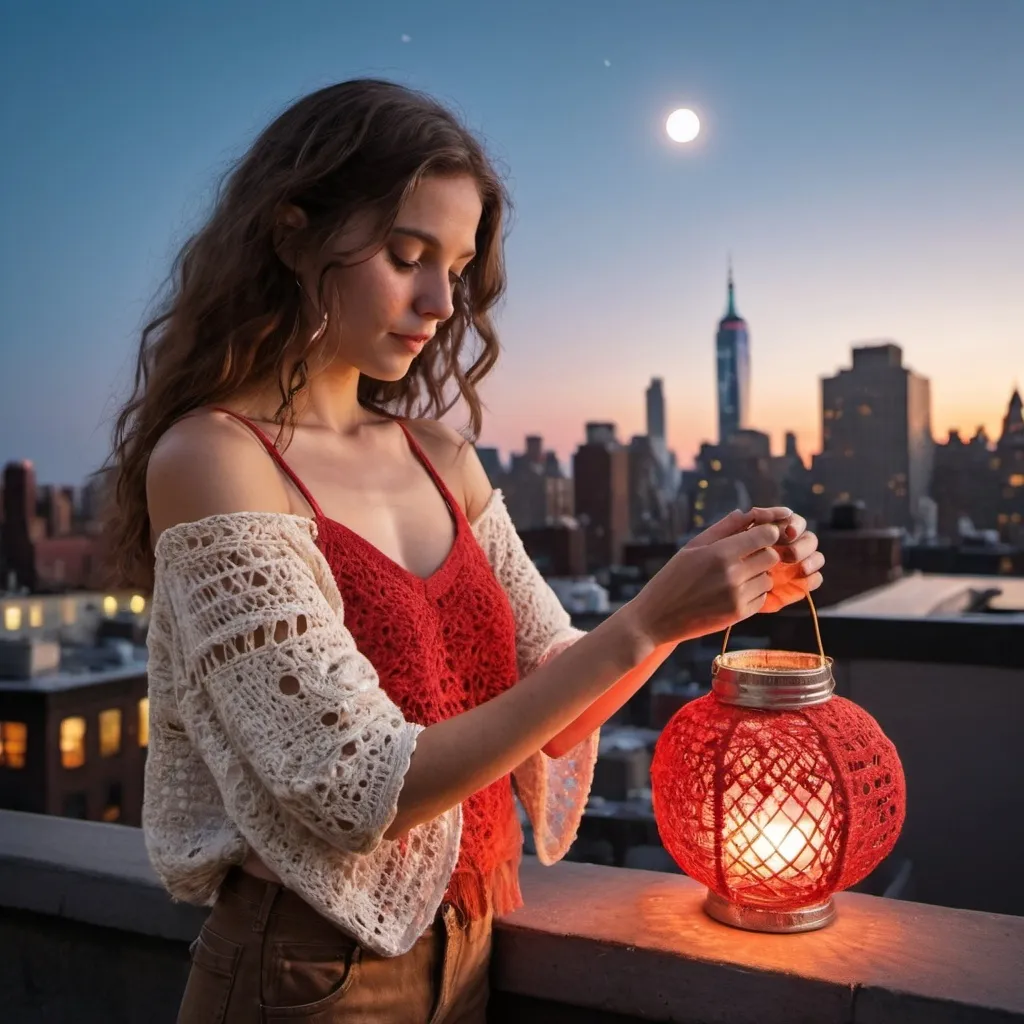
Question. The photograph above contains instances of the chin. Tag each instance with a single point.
(388, 373)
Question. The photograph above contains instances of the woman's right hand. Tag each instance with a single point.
(707, 588)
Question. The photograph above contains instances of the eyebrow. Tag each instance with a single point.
(426, 236)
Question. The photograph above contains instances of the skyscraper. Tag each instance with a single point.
(733, 351)
(1010, 467)
(601, 481)
(876, 437)
(656, 409)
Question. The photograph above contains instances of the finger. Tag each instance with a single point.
(743, 544)
(735, 522)
(762, 561)
(813, 582)
(754, 594)
(775, 514)
(799, 549)
(813, 564)
(794, 528)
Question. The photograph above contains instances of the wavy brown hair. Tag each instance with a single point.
(228, 315)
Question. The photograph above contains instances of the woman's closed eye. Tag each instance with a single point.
(399, 264)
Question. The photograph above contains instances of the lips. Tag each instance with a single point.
(413, 342)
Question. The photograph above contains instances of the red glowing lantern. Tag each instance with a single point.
(774, 793)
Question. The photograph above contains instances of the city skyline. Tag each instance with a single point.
(860, 165)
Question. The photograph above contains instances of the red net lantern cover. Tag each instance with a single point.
(776, 809)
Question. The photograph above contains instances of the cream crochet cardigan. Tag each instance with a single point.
(245, 618)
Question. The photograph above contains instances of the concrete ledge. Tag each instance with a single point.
(593, 944)
(89, 872)
(637, 943)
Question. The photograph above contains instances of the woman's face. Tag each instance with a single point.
(390, 304)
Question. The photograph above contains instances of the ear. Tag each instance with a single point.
(289, 224)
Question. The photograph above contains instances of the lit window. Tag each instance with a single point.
(1017, 480)
(35, 615)
(829, 414)
(12, 617)
(144, 722)
(864, 409)
(994, 463)
(1015, 518)
(715, 465)
(845, 496)
(72, 742)
(137, 604)
(110, 732)
(68, 611)
(698, 520)
(818, 489)
(13, 744)
(702, 484)
(109, 605)
(1002, 519)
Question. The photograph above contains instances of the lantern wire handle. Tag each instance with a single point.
(814, 620)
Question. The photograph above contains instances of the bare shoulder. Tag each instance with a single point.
(207, 464)
(456, 460)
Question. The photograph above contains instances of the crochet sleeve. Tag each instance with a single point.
(553, 791)
(273, 692)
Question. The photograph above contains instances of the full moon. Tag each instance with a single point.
(682, 125)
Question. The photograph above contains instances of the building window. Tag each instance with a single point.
(112, 808)
(864, 409)
(702, 484)
(110, 732)
(12, 618)
(109, 605)
(72, 744)
(13, 744)
(35, 615)
(76, 805)
(144, 722)
(994, 463)
(817, 488)
(137, 604)
(1017, 479)
(829, 414)
(68, 611)
(715, 465)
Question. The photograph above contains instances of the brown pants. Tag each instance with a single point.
(265, 956)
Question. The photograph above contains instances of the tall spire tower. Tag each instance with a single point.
(732, 346)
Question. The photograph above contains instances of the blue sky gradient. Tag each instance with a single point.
(861, 161)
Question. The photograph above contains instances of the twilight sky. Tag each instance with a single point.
(861, 161)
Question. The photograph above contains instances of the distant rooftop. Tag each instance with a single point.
(920, 595)
(57, 682)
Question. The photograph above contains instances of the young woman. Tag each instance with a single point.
(351, 655)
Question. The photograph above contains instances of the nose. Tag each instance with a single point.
(435, 300)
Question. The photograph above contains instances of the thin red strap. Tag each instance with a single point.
(456, 508)
(275, 455)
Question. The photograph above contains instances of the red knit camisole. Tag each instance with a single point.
(441, 646)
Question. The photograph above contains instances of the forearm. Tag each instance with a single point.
(461, 755)
(596, 714)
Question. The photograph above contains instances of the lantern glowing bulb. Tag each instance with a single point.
(774, 793)
(682, 125)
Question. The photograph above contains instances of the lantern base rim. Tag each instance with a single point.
(763, 919)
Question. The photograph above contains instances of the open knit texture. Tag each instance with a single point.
(272, 729)
(777, 809)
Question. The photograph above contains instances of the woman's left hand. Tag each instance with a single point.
(798, 570)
